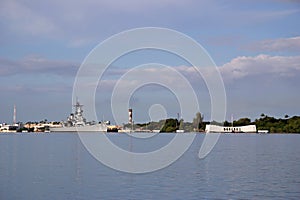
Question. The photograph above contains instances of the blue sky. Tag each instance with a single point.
(255, 44)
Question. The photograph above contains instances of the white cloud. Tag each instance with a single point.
(237, 69)
(291, 44)
(23, 89)
(136, 76)
(261, 65)
(37, 65)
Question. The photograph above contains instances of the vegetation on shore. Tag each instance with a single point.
(287, 125)
(171, 125)
(272, 124)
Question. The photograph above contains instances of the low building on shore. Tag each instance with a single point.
(9, 128)
(41, 126)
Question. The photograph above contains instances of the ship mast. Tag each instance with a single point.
(78, 108)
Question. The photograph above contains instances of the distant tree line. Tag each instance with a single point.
(287, 125)
(272, 124)
(171, 125)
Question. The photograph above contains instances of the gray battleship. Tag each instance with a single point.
(77, 123)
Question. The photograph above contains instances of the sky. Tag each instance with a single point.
(254, 44)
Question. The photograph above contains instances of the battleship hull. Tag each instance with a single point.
(86, 128)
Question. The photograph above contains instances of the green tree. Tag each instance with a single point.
(170, 125)
(242, 122)
(226, 123)
(286, 116)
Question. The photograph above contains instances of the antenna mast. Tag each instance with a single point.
(15, 115)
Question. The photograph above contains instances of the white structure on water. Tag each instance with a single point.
(230, 129)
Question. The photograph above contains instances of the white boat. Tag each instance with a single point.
(77, 123)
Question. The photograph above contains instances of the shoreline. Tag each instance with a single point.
(136, 133)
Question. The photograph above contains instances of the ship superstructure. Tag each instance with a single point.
(77, 122)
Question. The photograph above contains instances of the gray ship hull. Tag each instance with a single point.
(86, 128)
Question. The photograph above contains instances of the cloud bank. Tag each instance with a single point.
(261, 65)
(237, 69)
(31, 65)
(291, 44)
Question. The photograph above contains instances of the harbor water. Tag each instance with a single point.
(241, 166)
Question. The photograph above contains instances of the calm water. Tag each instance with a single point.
(57, 166)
